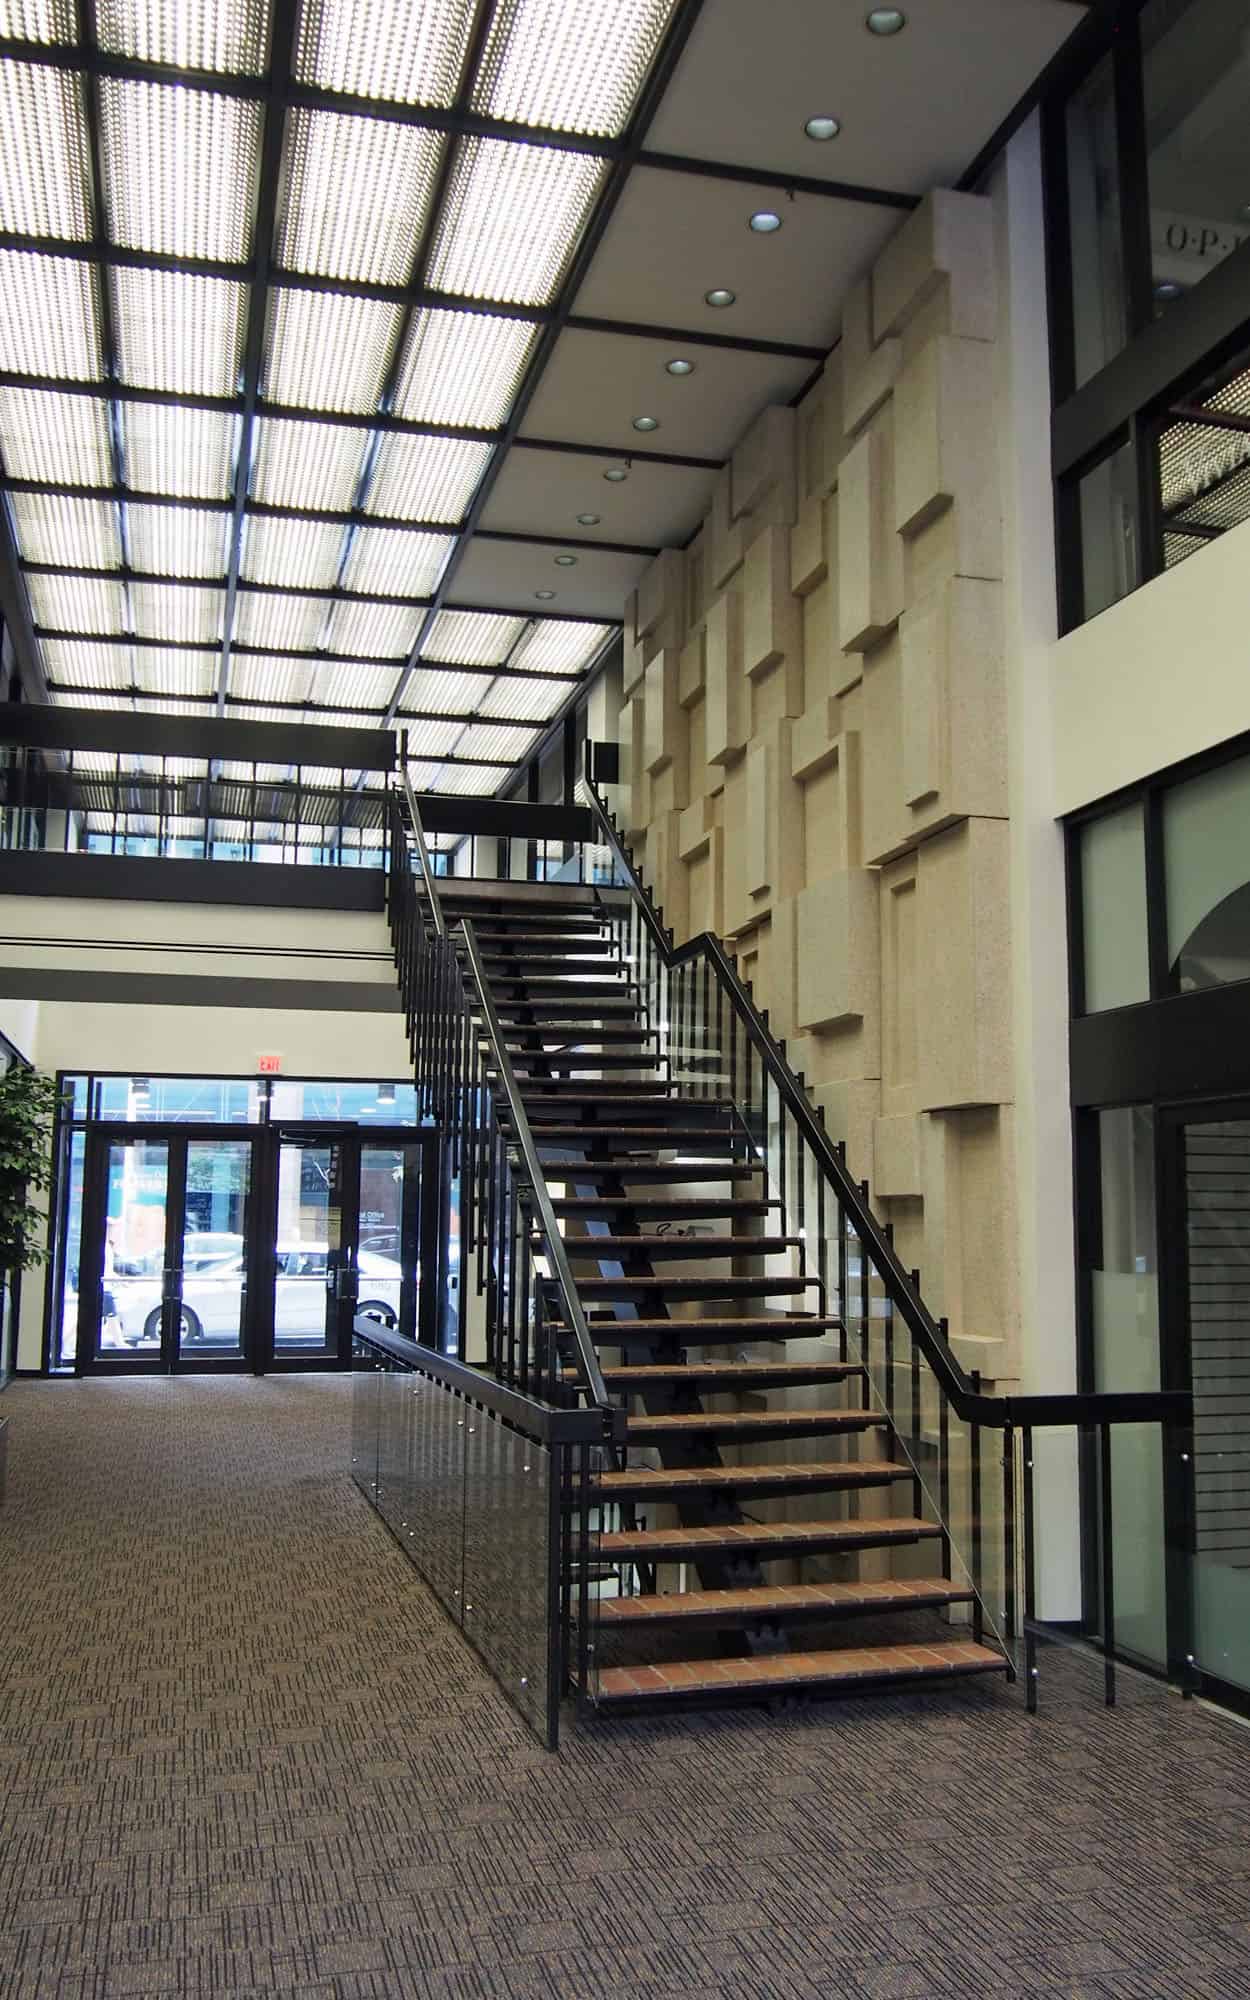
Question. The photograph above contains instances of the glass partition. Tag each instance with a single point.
(1207, 872)
(1113, 910)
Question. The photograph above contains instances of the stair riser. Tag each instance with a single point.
(786, 1614)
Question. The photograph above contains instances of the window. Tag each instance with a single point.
(1110, 564)
(1099, 322)
(1113, 910)
(1196, 83)
(1206, 850)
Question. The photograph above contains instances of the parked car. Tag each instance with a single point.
(212, 1296)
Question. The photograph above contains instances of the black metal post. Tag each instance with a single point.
(1030, 1576)
(1105, 1514)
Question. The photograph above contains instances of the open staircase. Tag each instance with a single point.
(764, 1530)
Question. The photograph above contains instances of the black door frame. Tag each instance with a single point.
(419, 1242)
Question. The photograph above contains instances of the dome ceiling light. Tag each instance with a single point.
(823, 127)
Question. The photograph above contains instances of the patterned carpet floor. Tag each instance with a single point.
(242, 1753)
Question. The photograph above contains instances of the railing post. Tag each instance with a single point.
(978, 1619)
(1030, 1576)
(1105, 1515)
(1009, 1542)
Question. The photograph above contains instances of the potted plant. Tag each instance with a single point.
(27, 1105)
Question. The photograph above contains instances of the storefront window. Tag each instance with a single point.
(1196, 79)
(1098, 313)
(1110, 562)
(1113, 903)
(1206, 848)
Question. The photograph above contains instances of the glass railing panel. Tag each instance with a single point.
(511, 1563)
(366, 1394)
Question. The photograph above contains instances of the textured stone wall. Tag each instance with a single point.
(815, 758)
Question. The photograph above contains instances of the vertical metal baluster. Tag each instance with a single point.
(978, 1625)
(944, 1476)
(1030, 1574)
(1108, 1561)
(917, 1439)
(1009, 1545)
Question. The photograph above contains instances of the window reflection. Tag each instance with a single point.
(1196, 77)
(1206, 850)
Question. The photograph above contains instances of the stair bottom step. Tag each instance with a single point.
(772, 1673)
(784, 1601)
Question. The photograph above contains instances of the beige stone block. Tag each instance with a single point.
(900, 967)
(780, 984)
(831, 810)
(944, 452)
(725, 540)
(772, 628)
(948, 240)
(963, 1035)
(695, 828)
(953, 714)
(870, 553)
(764, 467)
(970, 1270)
(809, 557)
(896, 1170)
(634, 663)
(869, 366)
(635, 786)
(662, 712)
(661, 599)
(705, 872)
(695, 574)
(726, 716)
(742, 912)
(703, 777)
(691, 669)
(814, 742)
(888, 828)
(670, 787)
(838, 949)
(665, 872)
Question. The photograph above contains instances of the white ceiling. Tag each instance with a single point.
(400, 200)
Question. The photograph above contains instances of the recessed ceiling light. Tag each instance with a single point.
(719, 297)
(646, 423)
(885, 20)
(1167, 289)
(565, 562)
(588, 520)
(765, 222)
(546, 595)
(823, 128)
(616, 473)
(679, 367)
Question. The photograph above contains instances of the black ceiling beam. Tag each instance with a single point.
(229, 406)
(342, 517)
(15, 614)
(612, 454)
(1217, 420)
(283, 31)
(690, 337)
(108, 331)
(681, 23)
(773, 177)
(565, 542)
(147, 644)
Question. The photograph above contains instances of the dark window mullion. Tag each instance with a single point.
(1156, 897)
(1133, 171)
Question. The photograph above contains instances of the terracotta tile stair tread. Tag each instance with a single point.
(841, 1667)
(630, 1134)
(782, 1600)
(741, 1537)
(731, 1373)
(663, 1205)
(636, 1172)
(690, 1288)
(679, 1248)
(845, 1472)
(751, 1420)
(774, 1326)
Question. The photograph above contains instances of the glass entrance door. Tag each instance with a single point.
(1211, 1290)
(161, 1273)
(313, 1277)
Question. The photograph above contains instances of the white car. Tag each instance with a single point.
(212, 1296)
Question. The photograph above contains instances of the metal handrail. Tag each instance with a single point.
(969, 1402)
(527, 1414)
(553, 1243)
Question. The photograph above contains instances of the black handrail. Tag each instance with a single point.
(471, 976)
(527, 1414)
(969, 1402)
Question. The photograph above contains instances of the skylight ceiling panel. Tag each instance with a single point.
(45, 153)
(573, 68)
(89, 663)
(432, 739)
(511, 220)
(426, 479)
(328, 351)
(80, 534)
(180, 169)
(307, 464)
(231, 36)
(180, 332)
(44, 21)
(178, 541)
(462, 367)
(100, 699)
(172, 450)
(358, 194)
(77, 603)
(253, 679)
(49, 316)
(532, 701)
(477, 781)
(175, 673)
(385, 631)
(177, 611)
(261, 774)
(302, 553)
(290, 624)
(357, 686)
(443, 690)
(492, 740)
(53, 437)
(421, 777)
(396, 562)
(472, 638)
(561, 646)
(153, 704)
(377, 48)
(257, 713)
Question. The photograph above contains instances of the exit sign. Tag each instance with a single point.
(269, 1065)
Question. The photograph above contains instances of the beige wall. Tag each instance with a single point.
(1157, 677)
(815, 717)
